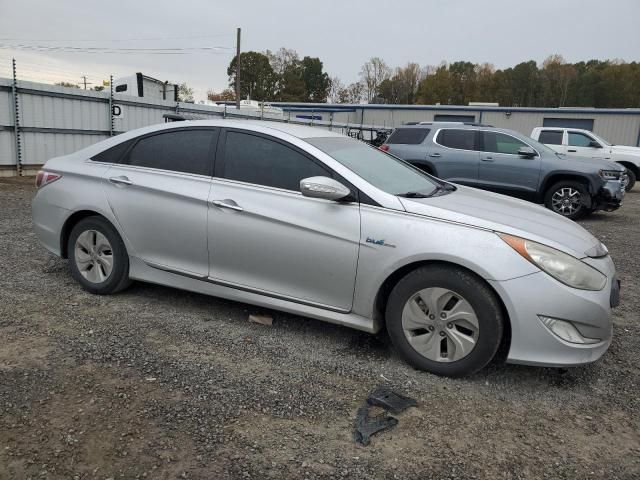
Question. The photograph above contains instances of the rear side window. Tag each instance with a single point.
(186, 151)
(579, 139)
(408, 136)
(113, 154)
(460, 139)
(551, 137)
(497, 142)
(258, 160)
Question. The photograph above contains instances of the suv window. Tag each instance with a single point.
(497, 142)
(461, 139)
(551, 137)
(254, 159)
(186, 151)
(113, 154)
(577, 139)
(408, 136)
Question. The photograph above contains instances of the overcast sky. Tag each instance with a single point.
(344, 34)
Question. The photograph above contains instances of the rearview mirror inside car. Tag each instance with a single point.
(323, 187)
(527, 152)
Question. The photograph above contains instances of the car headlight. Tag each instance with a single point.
(610, 174)
(561, 266)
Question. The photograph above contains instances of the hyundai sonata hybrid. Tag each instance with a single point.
(311, 222)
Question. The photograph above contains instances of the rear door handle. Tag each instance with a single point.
(227, 203)
(572, 151)
(121, 180)
(435, 155)
(487, 159)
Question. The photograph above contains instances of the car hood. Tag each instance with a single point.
(588, 165)
(500, 213)
(625, 150)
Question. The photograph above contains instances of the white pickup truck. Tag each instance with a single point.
(583, 143)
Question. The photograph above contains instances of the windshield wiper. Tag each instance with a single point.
(413, 195)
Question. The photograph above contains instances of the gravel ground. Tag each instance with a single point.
(159, 383)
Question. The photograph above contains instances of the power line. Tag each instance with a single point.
(110, 49)
(117, 39)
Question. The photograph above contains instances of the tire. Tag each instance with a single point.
(433, 344)
(92, 243)
(576, 208)
(631, 176)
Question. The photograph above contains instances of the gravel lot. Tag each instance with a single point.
(160, 383)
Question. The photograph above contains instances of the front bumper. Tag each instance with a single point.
(527, 298)
(610, 196)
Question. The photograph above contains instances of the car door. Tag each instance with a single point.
(580, 144)
(503, 170)
(455, 156)
(266, 237)
(159, 193)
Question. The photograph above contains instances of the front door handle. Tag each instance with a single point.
(572, 151)
(227, 203)
(121, 180)
(435, 155)
(487, 159)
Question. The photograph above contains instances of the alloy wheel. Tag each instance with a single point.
(440, 324)
(93, 256)
(566, 201)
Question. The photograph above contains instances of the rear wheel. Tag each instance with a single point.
(444, 320)
(98, 257)
(568, 198)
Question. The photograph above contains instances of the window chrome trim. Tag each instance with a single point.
(139, 168)
(435, 137)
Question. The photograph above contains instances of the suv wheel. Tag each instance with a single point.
(98, 257)
(629, 181)
(568, 199)
(444, 320)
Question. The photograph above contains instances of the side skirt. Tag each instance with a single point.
(139, 270)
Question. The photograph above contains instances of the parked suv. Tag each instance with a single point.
(583, 143)
(508, 162)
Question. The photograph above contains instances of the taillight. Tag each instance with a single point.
(384, 148)
(44, 178)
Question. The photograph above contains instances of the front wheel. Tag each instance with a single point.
(444, 320)
(568, 198)
(629, 181)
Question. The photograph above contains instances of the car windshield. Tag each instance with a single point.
(600, 139)
(381, 170)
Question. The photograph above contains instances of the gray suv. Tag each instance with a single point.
(510, 163)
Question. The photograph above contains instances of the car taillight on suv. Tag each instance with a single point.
(384, 147)
(44, 178)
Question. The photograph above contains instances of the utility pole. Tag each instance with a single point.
(238, 71)
(84, 78)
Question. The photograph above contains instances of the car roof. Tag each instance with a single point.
(299, 131)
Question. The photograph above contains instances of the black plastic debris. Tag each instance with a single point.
(390, 400)
(383, 397)
(367, 426)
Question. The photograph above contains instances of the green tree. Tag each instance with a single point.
(316, 81)
(257, 78)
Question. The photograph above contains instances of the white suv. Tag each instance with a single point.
(583, 143)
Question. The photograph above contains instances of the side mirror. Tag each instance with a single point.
(323, 187)
(594, 144)
(527, 152)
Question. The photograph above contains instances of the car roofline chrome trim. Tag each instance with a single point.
(244, 288)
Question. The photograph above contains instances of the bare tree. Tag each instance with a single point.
(373, 73)
(335, 87)
(354, 93)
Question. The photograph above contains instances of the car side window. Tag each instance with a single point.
(185, 151)
(408, 136)
(113, 154)
(551, 137)
(577, 139)
(258, 160)
(460, 139)
(496, 142)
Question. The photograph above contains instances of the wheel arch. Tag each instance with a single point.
(630, 166)
(71, 222)
(560, 177)
(392, 279)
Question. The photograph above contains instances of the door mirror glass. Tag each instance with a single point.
(527, 152)
(323, 187)
(594, 144)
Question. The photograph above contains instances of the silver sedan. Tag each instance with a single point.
(314, 223)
